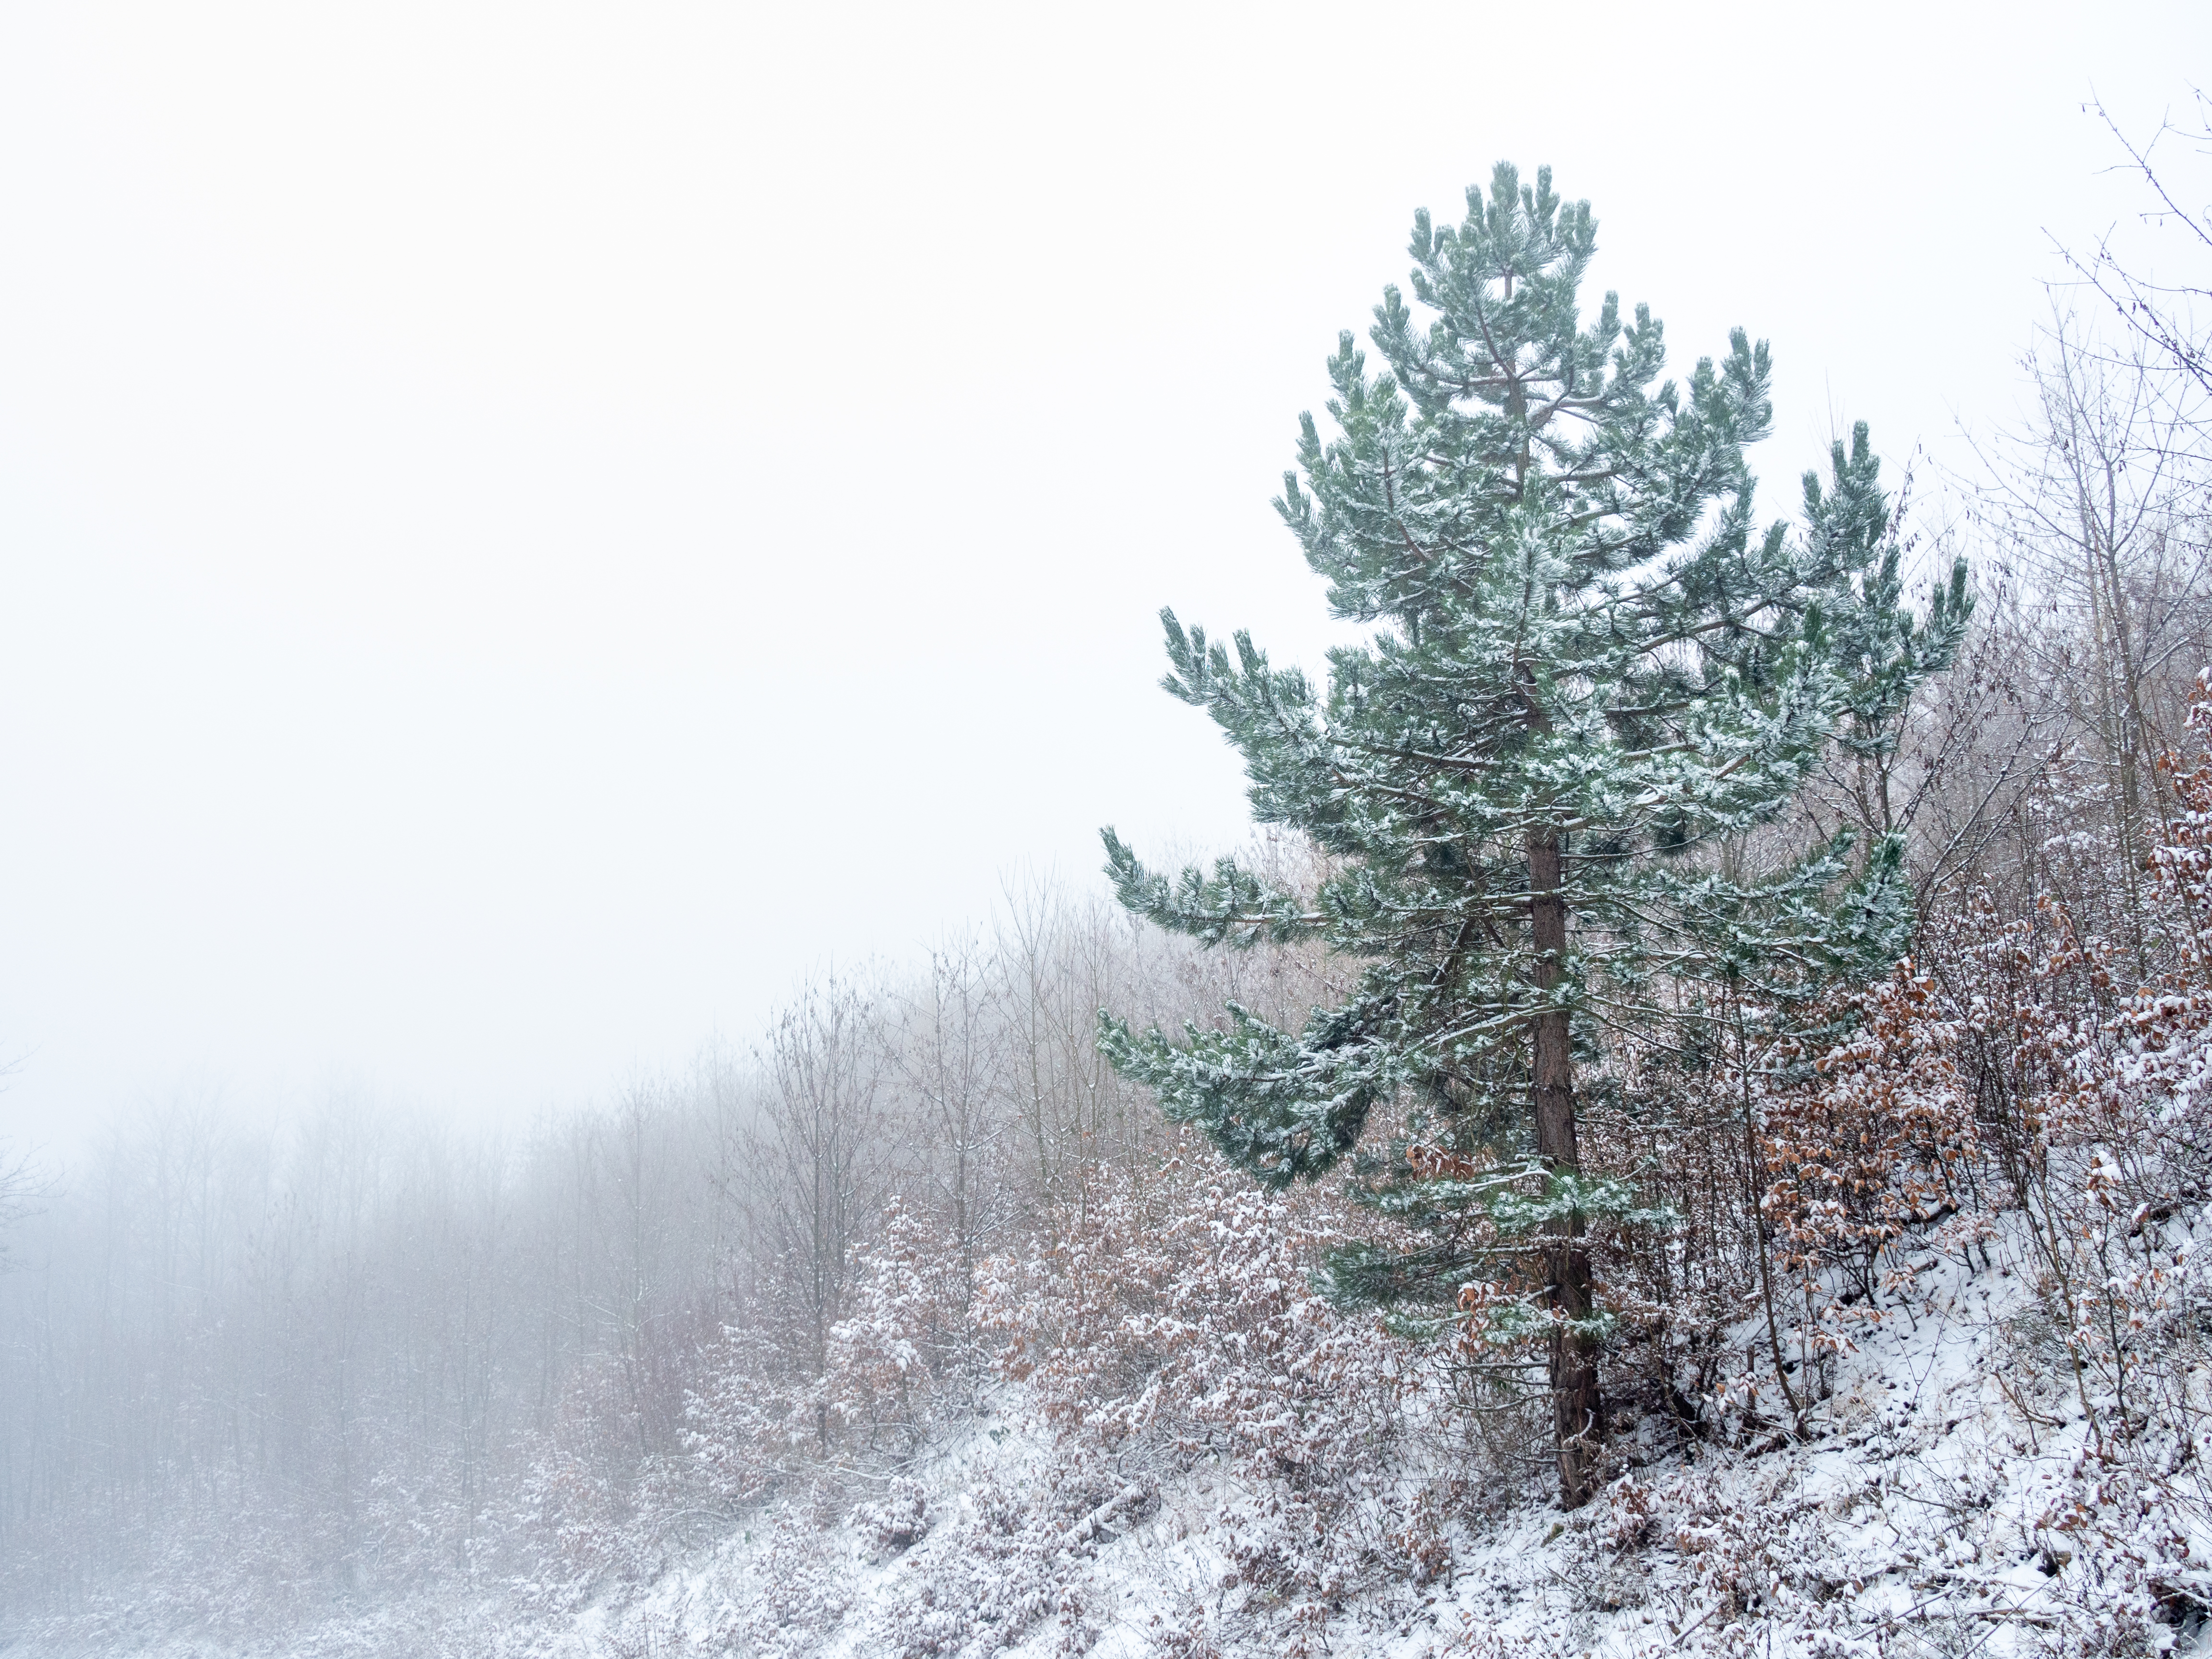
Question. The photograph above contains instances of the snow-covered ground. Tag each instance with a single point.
(1954, 1496)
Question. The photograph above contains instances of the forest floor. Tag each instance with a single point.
(1954, 1495)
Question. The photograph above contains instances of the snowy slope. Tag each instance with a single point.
(1954, 1498)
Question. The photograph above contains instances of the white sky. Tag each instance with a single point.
(526, 530)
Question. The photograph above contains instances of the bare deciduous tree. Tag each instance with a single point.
(817, 1155)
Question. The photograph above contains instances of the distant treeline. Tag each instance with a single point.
(319, 1356)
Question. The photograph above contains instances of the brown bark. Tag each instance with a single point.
(1577, 1408)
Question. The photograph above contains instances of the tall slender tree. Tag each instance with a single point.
(1592, 674)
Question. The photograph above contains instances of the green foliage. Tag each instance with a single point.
(1581, 640)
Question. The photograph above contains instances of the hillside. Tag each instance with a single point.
(1948, 1498)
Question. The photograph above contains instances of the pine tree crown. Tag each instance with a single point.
(1581, 640)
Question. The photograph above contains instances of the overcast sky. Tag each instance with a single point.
(524, 531)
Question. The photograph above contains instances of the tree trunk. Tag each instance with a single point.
(1577, 1410)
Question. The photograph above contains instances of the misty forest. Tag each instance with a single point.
(1686, 1126)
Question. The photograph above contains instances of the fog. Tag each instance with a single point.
(255, 1378)
(528, 530)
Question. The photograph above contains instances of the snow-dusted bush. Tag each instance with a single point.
(1881, 1140)
(1015, 1553)
(907, 1336)
(1177, 1311)
(1173, 1318)
(758, 1416)
(2118, 1167)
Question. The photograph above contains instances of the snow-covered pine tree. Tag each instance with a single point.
(1590, 676)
